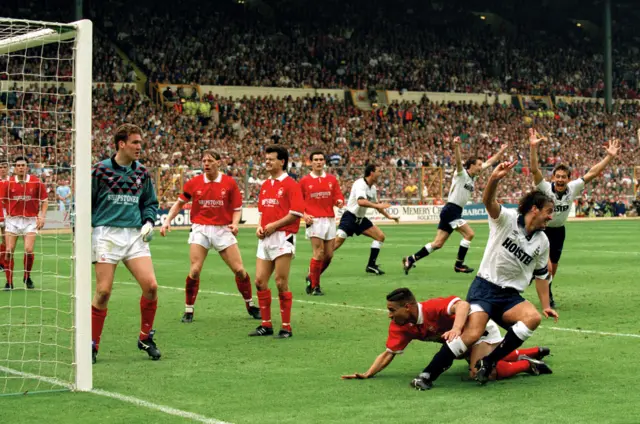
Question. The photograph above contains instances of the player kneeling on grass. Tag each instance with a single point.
(441, 320)
(321, 192)
(215, 214)
(281, 206)
(123, 210)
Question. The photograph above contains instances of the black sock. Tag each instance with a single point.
(510, 343)
(373, 256)
(440, 363)
(422, 253)
(462, 252)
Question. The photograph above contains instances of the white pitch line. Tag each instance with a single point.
(123, 398)
(367, 308)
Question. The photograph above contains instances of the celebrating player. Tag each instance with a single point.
(216, 212)
(563, 192)
(451, 215)
(281, 206)
(321, 192)
(441, 320)
(517, 250)
(123, 211)
(24, 198)
(354, 221)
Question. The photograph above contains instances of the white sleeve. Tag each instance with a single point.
(360, 190)
(541, 270)
(506, 215)
(575, 187)
(545, 187)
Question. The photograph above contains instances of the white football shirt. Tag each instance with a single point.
(461, 188)
(361, 190)
(561, 201)
(512, 258)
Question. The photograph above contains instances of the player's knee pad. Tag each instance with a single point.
(522, 331)
(376, 244)
(341, 234)
(457, 346)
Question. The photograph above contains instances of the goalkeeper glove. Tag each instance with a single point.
(147, 232)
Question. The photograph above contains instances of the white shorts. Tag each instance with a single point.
(492, 335)
(20, 225)
(277, 244)
(217, 237)
(111, 245)
(322, 228)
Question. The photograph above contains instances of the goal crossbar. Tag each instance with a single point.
(53, 33)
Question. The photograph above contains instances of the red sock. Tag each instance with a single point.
(506, 369)
(264, 300)
(325, 265)
(3, 252)
(191, 292)
(244, 287)
(97, 323)
(8, 270)
(315, 269)
(286, 299)
(28, 264)
(147, 315)
(530, 351)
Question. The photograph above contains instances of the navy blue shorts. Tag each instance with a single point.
(494, 300)
(556, 237)
(351, 224)
(450, 213)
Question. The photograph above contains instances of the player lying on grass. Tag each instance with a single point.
(441, 320)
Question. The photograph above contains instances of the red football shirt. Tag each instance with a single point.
(320, 194)
(278, 198)
(23, 199)
(213, 202)
(434, 319)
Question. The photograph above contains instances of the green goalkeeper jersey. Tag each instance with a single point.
(122, 196)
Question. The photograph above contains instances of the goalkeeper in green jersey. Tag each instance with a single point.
(123, 212)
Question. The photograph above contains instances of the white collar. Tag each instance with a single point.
(420, 319)
(26, 178)
(217, 180)
(281, 177)
(312, 175)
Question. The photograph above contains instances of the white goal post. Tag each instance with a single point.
(62, 357)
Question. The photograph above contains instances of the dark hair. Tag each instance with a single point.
(282, 154)
(211, 153)
(316, 152)
(562, 167)
(533, 198)
(370, 169)
(469, 162)
(401, 295)
(19, 158)
(124, 131)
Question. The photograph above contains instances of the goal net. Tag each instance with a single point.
(45, 117)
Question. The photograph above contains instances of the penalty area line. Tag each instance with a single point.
(367, 308)
(118, 396)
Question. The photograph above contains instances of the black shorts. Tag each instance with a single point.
(493, 299)
(556, 237)
(449, 213)
(351, 224)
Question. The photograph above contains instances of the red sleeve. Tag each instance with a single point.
(296, 202)
(43, 191)
(4, 197)
(235, 196)
(337, 193)
(260, 199)
(441, 306)
(187, 191)
(397, 340)
(303, 186)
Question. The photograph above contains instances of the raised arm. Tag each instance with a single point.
(612, 152)
(490, 163)
(534, 140)
(489, 195)
(456, 149)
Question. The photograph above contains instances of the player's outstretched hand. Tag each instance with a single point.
(308, 219)
(614, 147)
(451, 335)
(503, 169)
(260, 233)
(396, 219)
(504, 147)
(534, 137)
(147, 232)
(548, 312)
(233, 228)
(39, 222)
(384, 205)
(166, 228)
(356, 376)
(457, 141)
(340, 203)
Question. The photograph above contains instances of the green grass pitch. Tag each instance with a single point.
(213, 369)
